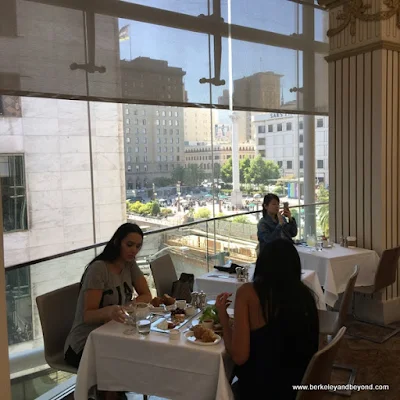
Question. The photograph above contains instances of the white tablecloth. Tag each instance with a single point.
(334, 267)
(216, 282)
(153, 365)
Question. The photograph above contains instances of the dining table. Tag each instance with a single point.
(215, 282)
(335, 265)
(153, 364)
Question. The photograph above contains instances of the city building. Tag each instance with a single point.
(280, 139)
(147, 79)
(201, 154)
(154, 135)
(154, 143)
(199, 123)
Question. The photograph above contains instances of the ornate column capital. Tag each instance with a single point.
(363, 25)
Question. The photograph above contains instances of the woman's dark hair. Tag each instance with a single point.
(267, 199)
(112, 250)
(277, 282)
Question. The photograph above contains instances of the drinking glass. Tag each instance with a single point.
(130, 312)
(143, 326)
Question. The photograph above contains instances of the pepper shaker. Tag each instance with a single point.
(195, 299)
(202, 300)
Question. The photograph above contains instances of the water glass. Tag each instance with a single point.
(130, 312)
(143, 326)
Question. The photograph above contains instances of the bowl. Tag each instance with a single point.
(174, 334)
(190, 310)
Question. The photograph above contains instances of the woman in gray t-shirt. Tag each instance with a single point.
(106, 285)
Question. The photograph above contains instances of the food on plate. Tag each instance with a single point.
(163, 325)
(178, 311)
(164, 300)
(210, 312)
(179, 318)
(204, 334)
(156, 302)
(168, 300)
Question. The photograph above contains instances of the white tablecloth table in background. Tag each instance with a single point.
(334, 267)
(217, 282)
(153, 365)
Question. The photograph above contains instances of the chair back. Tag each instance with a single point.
(347, 297)
(319, 368)
(164, 274)
(57, 313)
(387, 269)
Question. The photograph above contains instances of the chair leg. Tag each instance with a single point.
(145, 397)
(379, 340)
(352, 378)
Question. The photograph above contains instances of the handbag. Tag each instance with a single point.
(182, 289)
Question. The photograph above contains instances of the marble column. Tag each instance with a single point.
(364, 98)
(4, 364)
(236, 196)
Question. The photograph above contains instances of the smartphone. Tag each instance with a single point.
(286, 205)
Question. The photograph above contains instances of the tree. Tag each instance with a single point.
(178, 174)
(241, 219)
(194, 175)
(256, 172)
(272, 170)
(202, 213)
(226, 170)
(162, 182)
(244, 166)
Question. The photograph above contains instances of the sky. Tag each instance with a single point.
(189, 51)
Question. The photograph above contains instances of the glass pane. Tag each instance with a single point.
(163, 64)
(190, 7)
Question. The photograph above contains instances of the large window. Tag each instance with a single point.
(12, 176)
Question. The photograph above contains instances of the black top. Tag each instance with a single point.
(279, 355)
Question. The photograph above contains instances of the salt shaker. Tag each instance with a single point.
(202, 300)
(195, 300)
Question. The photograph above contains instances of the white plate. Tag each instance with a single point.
(190, 338)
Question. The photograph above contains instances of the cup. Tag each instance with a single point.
(351, 242)
(208, 323)
(190, 310)
(181, 304)
(174, 334)
(143, 326)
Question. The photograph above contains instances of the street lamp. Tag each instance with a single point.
(154, 192)
(178, 192)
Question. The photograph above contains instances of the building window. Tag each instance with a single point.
(136, 121)
(301, 139)
(261, 129)
(177, 158)
(143, 112)
(145, 149)
(144, 122)
(126, 111)
(136, 149)
(137, 131)
(289, 126)
(301, 125)
(177, 131)
(157, 122)
(128, 130)
(129, 168)
(144, 130)
(158, 131)
(158, 140)
(164, 122)
(270, 128)
(135, 112)
(145, 159)
(128, 121)
(129, 149)
(163, 113)
(165, 140)
(157, 113)
(320, 164)
(261, 142)
(158, 158)
(164, 131)
(171, 131)
(301, 164)
(301, 151)
(145, 168)
(279, 128)
(289, 164)
(169, 113)
(177, 140)
(128, 158)
(170, 122)
(320, 123)
(128, 140)
(280, 163)
(172, 141)
(176, 113)
(137, 140)
(12, 178)
(145, 140)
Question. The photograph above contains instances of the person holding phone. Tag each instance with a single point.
(275, 224)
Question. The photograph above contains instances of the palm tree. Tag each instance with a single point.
(323, 211)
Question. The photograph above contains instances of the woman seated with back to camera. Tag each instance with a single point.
(275, 224)
(107, 283)
(276, 326)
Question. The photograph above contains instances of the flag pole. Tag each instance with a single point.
(130, 43)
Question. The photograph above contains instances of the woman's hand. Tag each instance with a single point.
(222, 303)
(287, 213)
(116, 313)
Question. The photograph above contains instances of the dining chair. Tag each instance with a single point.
(331, 321)
(57, 313)
(385, 276)
(164, 274)
(319, 368)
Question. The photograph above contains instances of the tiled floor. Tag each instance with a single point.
(375, 363)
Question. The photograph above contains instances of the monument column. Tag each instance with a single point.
(236, 196)
(364, 144)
